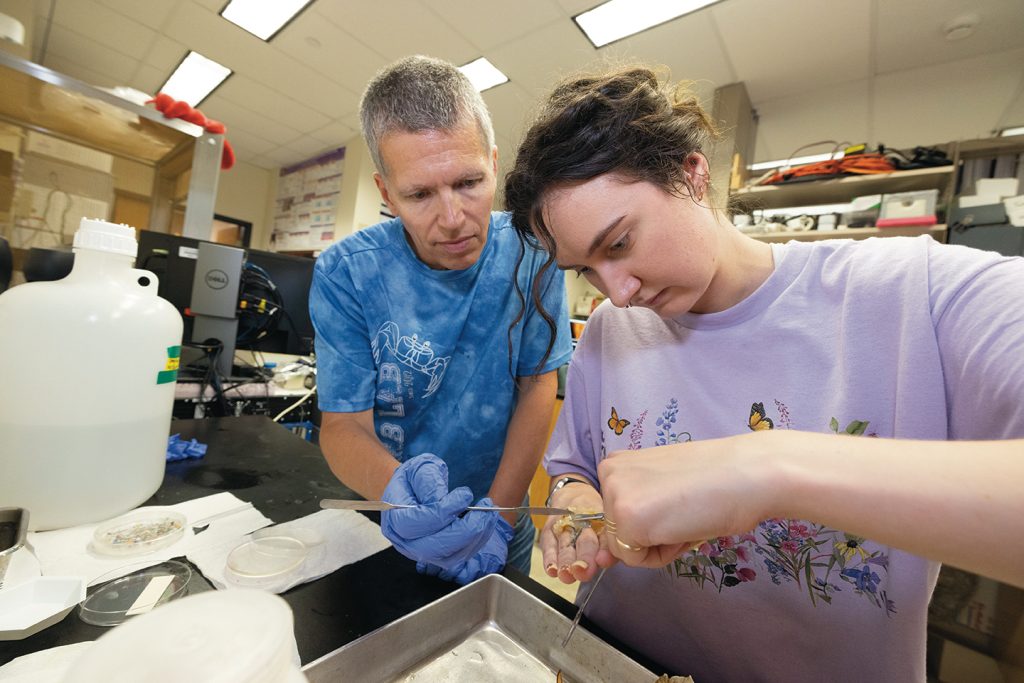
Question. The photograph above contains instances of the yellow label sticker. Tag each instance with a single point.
(170, 372)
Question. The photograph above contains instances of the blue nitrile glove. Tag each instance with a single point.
(432, 531)
(179, 450)
(490, 560)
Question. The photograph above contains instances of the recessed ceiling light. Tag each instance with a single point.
(195, 78)
(617, 19)
(483, 74)
(1006, 132)
(262, 18)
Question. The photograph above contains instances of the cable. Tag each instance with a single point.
(295, 405)
(260, 306)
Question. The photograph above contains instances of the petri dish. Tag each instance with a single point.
(263, 561)
(139, 532)
(116, 600)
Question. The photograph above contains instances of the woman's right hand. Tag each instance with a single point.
(565, 557)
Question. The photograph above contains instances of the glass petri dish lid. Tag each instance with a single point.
(115, 600)
(138, 532)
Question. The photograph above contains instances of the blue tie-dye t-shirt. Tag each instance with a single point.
(428, 349)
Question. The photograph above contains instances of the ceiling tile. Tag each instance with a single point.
(240, 116)
(701, 59)
(297, 82)
(510, 106)
(251, 144)
(260, 99)
(151, 14)
(214, 6)
(335, 133)
(212, 36)
(778, 53)
(396, 28)
(283, 156)
(119, 33)
(475, 20)
(538, 60)
(114, 67)
(308, 147)
(75, 69)
(316, 42)
(148, 79)
(911, 32)
(574, 7)
(166, 55)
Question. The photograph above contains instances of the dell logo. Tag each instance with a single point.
(216, 279)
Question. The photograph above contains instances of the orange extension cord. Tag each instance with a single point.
(862, 164)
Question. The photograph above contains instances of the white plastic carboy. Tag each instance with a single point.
(87, 371)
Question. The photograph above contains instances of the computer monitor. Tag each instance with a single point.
(292, 276)
(173, 260)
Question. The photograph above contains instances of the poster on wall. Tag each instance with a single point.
(306, 205)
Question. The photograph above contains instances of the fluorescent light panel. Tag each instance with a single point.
(1007, 132)
(617, 19)
(482, 74)
(195, 78)
(262, 18)
(795, 161)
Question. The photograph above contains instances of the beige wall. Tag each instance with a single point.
(243, 193)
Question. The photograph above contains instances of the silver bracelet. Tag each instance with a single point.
(563, 481)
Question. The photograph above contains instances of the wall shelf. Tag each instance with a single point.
(843, 189)
(938, 232)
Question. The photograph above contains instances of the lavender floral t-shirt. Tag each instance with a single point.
(893, 337)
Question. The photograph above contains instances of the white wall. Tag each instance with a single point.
(905, 108)
(359, 203)
(242, 193)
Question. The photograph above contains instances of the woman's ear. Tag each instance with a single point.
(697, 172)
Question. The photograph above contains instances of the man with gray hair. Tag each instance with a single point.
(435, 383)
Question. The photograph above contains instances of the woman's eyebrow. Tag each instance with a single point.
(600, 237)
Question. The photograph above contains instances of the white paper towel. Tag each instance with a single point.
(65, 552)
(347, 537)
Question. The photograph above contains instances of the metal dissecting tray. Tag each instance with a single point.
(490, 630)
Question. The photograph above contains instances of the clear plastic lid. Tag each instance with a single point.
(139, 532)
(263, 561)
(119, 599)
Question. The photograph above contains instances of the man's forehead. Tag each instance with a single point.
(415, 158)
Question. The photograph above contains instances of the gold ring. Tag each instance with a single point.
(631, 548)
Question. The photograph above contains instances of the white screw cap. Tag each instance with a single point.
(100, 235)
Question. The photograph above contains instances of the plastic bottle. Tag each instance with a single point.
(87, 371)
(233, 636)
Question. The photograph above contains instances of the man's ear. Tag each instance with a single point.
(384, 194)
(494, 159)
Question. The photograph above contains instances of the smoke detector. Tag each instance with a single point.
(11, 29)
(961, 27)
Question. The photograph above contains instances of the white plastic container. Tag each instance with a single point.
(232, 636)
(87, 372)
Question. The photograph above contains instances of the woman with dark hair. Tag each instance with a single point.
(720, 407)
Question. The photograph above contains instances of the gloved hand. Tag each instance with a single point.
(490, 560)
(432, 532)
